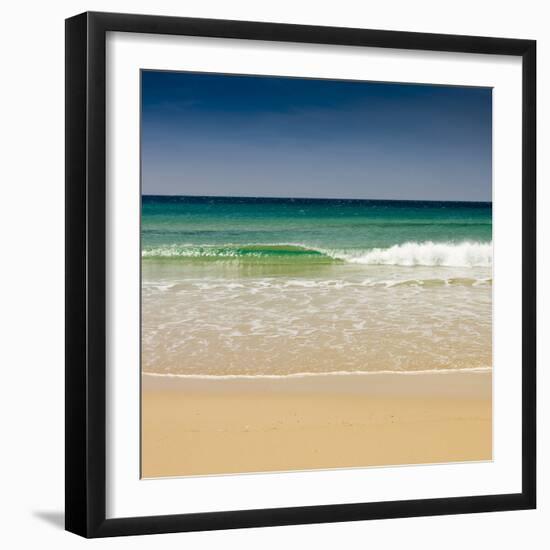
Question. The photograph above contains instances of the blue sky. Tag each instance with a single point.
(208, 134)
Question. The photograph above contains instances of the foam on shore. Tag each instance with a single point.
(474, 383)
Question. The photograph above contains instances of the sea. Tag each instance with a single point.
(273, 287)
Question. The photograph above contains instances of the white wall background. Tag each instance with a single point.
(32, 263)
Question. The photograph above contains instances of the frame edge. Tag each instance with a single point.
(76, 476)
(529, 273)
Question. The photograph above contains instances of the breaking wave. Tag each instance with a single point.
(427, 253)
(465, 254)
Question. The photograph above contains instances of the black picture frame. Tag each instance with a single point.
(86, 280)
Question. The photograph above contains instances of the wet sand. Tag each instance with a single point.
(203, 426)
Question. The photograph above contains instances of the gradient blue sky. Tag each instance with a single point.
(207, 134)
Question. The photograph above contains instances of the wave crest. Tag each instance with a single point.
(427, 253)
(235, 251)
(465, 254)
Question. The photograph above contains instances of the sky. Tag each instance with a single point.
(228, 135)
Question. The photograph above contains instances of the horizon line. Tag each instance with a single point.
(311, 198)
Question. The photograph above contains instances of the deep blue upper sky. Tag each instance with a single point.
(206, 134)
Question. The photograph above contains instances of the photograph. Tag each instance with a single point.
(316, 274)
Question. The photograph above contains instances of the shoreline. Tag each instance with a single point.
(474, 383)
(207, 426)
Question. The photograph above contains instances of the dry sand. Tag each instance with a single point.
(193, 426)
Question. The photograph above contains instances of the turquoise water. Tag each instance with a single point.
(277, 287)
(312, 229)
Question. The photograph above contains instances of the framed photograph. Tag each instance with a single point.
(300, 274)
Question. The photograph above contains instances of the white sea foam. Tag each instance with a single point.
(465, 254)
(474, 370)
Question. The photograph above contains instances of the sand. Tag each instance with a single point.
(193, 426)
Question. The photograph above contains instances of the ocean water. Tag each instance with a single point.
(279, 287)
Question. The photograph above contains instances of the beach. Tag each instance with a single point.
(302, 334)
(316, 274)
(204, 426)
